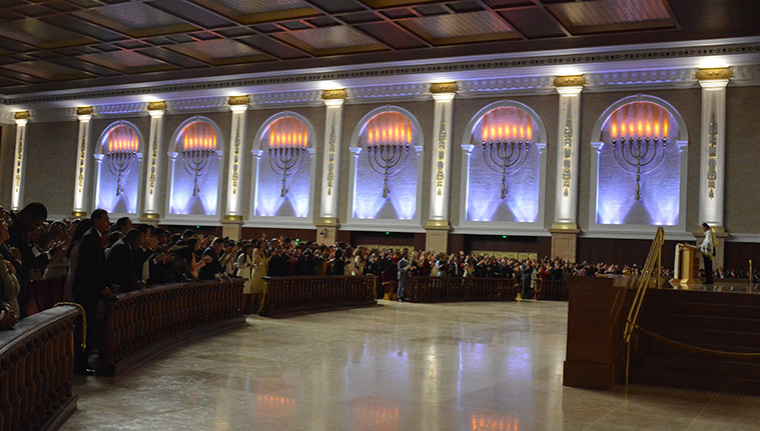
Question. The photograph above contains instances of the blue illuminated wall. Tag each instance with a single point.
(521, 203)
(660, 189)
(106, 198)
(297, 201)
(368, 200)
(181, 200)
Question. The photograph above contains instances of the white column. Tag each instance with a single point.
(713, 146)
(151, 212)
(440, 183)
(437, 227)
(328, 221)
(98, 173)
(84, 114)
(239, 106)
(568, 136)
(19, 160)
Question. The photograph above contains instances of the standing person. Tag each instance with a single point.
(245, 270)
(708, 251)
(526, 274)
(258, 286)
(89, 284)
(403, 277)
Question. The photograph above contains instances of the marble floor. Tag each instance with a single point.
(398, 366)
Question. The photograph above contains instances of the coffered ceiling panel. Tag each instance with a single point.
(68, 44)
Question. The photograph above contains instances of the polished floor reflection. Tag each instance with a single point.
(399, 366)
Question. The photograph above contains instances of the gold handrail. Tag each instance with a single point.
(654, 257)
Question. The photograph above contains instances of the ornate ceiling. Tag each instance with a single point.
(48, 45)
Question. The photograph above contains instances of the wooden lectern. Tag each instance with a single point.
(688, 262)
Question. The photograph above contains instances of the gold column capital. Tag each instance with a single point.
(334, 94)
(437, 225)
(232, 218)
(79, 214)
(238, 100)
(327, 222)
(444, 87)
(157, 106)
(21, 115)
(570, 81)
(713, 73)
(150, 216)
(84, 110)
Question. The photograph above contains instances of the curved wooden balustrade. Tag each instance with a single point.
(289, 295)
(144, 323)
(36, 365)
(555, 290)
(456, 289)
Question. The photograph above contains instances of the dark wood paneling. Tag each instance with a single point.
(382, 238)
(206, 230)
(294, 234)
(737, 255)
(525, 244)
(456, 243)
(622, 251)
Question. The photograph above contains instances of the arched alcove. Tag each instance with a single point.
(118, 153)
(195, 153)
(640, 166)
(385, 183)
(503, 169)
(283, 170)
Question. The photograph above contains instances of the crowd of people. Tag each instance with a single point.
(95, 257)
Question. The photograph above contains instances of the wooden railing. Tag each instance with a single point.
(36, 366)
(455, 289)
(141, 324)
(289, 295)
(555, 290)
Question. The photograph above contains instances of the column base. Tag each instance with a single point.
(152, 219)
(437, 236)
(564, 241)
(327, 230)
(79, 214)
(232, 227)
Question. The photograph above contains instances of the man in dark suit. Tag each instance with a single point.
(31, 217)
(121, 269)
(212, 268)
(89, 284)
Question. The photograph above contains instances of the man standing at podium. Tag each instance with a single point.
(708, 251)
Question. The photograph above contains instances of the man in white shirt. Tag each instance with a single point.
(708, 252)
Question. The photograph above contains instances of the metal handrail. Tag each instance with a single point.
(654, 257)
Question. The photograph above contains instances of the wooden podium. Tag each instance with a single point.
(687, 257)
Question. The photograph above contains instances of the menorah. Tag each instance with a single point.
(505, 156)
(119, 162)
(639, 155)
(121, 151)
(387, 159)
(284, 161)
(195, 160)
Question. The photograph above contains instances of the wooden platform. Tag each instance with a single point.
(696, 324)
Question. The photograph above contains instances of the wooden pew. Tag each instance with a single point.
(36, 366)
(142, 324)
(290, 295)
(457, 289)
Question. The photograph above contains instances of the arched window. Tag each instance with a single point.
(118, 156)
(639, 164)
(386, 168)
(503, 166)
(283, 168)
(194, 158)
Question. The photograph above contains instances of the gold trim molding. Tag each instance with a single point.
(84, 110)
(334, 94)
(444, 87)
(150, 216)
(238, 100)
(327, 221)
(437, 225)
(79, 214)
(564, 226)
(230, 217)
(714, 73)
(570, 81)
(21, 115)
(157, 106)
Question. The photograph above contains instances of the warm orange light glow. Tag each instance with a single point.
(641, 129)
(522, 133)
(530, 133)
(614, 131)
(665, 129)
(656, 129)
(649, 130)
